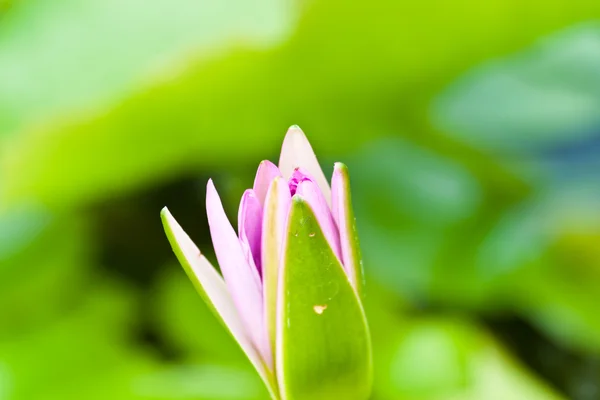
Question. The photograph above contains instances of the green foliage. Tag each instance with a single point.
(179, 315)
(449, 359)
(542, 96)
(167, 124)
(37, 364)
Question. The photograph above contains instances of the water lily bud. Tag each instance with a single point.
(292, 280)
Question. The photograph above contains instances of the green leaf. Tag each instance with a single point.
(323, 342)
(451, 358)
(109, 58)
(182, 117)
(546, 95)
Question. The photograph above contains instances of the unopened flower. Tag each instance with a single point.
(292, 281)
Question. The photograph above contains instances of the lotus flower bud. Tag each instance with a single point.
(292, 280)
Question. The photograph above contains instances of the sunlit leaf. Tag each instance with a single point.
(183, 118)
(110, 57)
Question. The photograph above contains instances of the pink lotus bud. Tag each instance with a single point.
(292, 277)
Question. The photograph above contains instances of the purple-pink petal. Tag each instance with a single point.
(239, 277)
(250, 217)
(267, 171)
(211, 286)
(310, 191)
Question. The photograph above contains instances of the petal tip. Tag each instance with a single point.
(297, 151)
(166, 217)
(295, 131)
(339, 166)
(266, 164)
(248, 193)
(278, 180)
(211, 192)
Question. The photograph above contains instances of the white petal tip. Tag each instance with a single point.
(296, 152)
(294, 132)
(166, 216)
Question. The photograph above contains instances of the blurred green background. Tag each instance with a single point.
(472, 134)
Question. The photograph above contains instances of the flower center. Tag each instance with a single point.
(297, 177)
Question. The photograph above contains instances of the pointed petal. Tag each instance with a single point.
(277, 208)
(297, 152)
(309, 190)
(343, 214)
(323, 347)
(213, 291)
(267, 171)
(249, 227)
(238, 274)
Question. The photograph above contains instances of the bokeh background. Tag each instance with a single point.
(472, 134)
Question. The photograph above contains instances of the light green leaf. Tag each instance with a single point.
(453, 359)
(323, 342)
(114, 47)
(183, 118)
(546, 95)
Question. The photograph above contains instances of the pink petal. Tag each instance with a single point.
(267, 171)
(212, 288)
(310, 192)
(277, 207)
(344, 218)
(238, 274)
(249, 227)
(296, 152)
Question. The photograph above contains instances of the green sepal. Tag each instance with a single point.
(323, 343)
(356, 270)
(212, 289)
